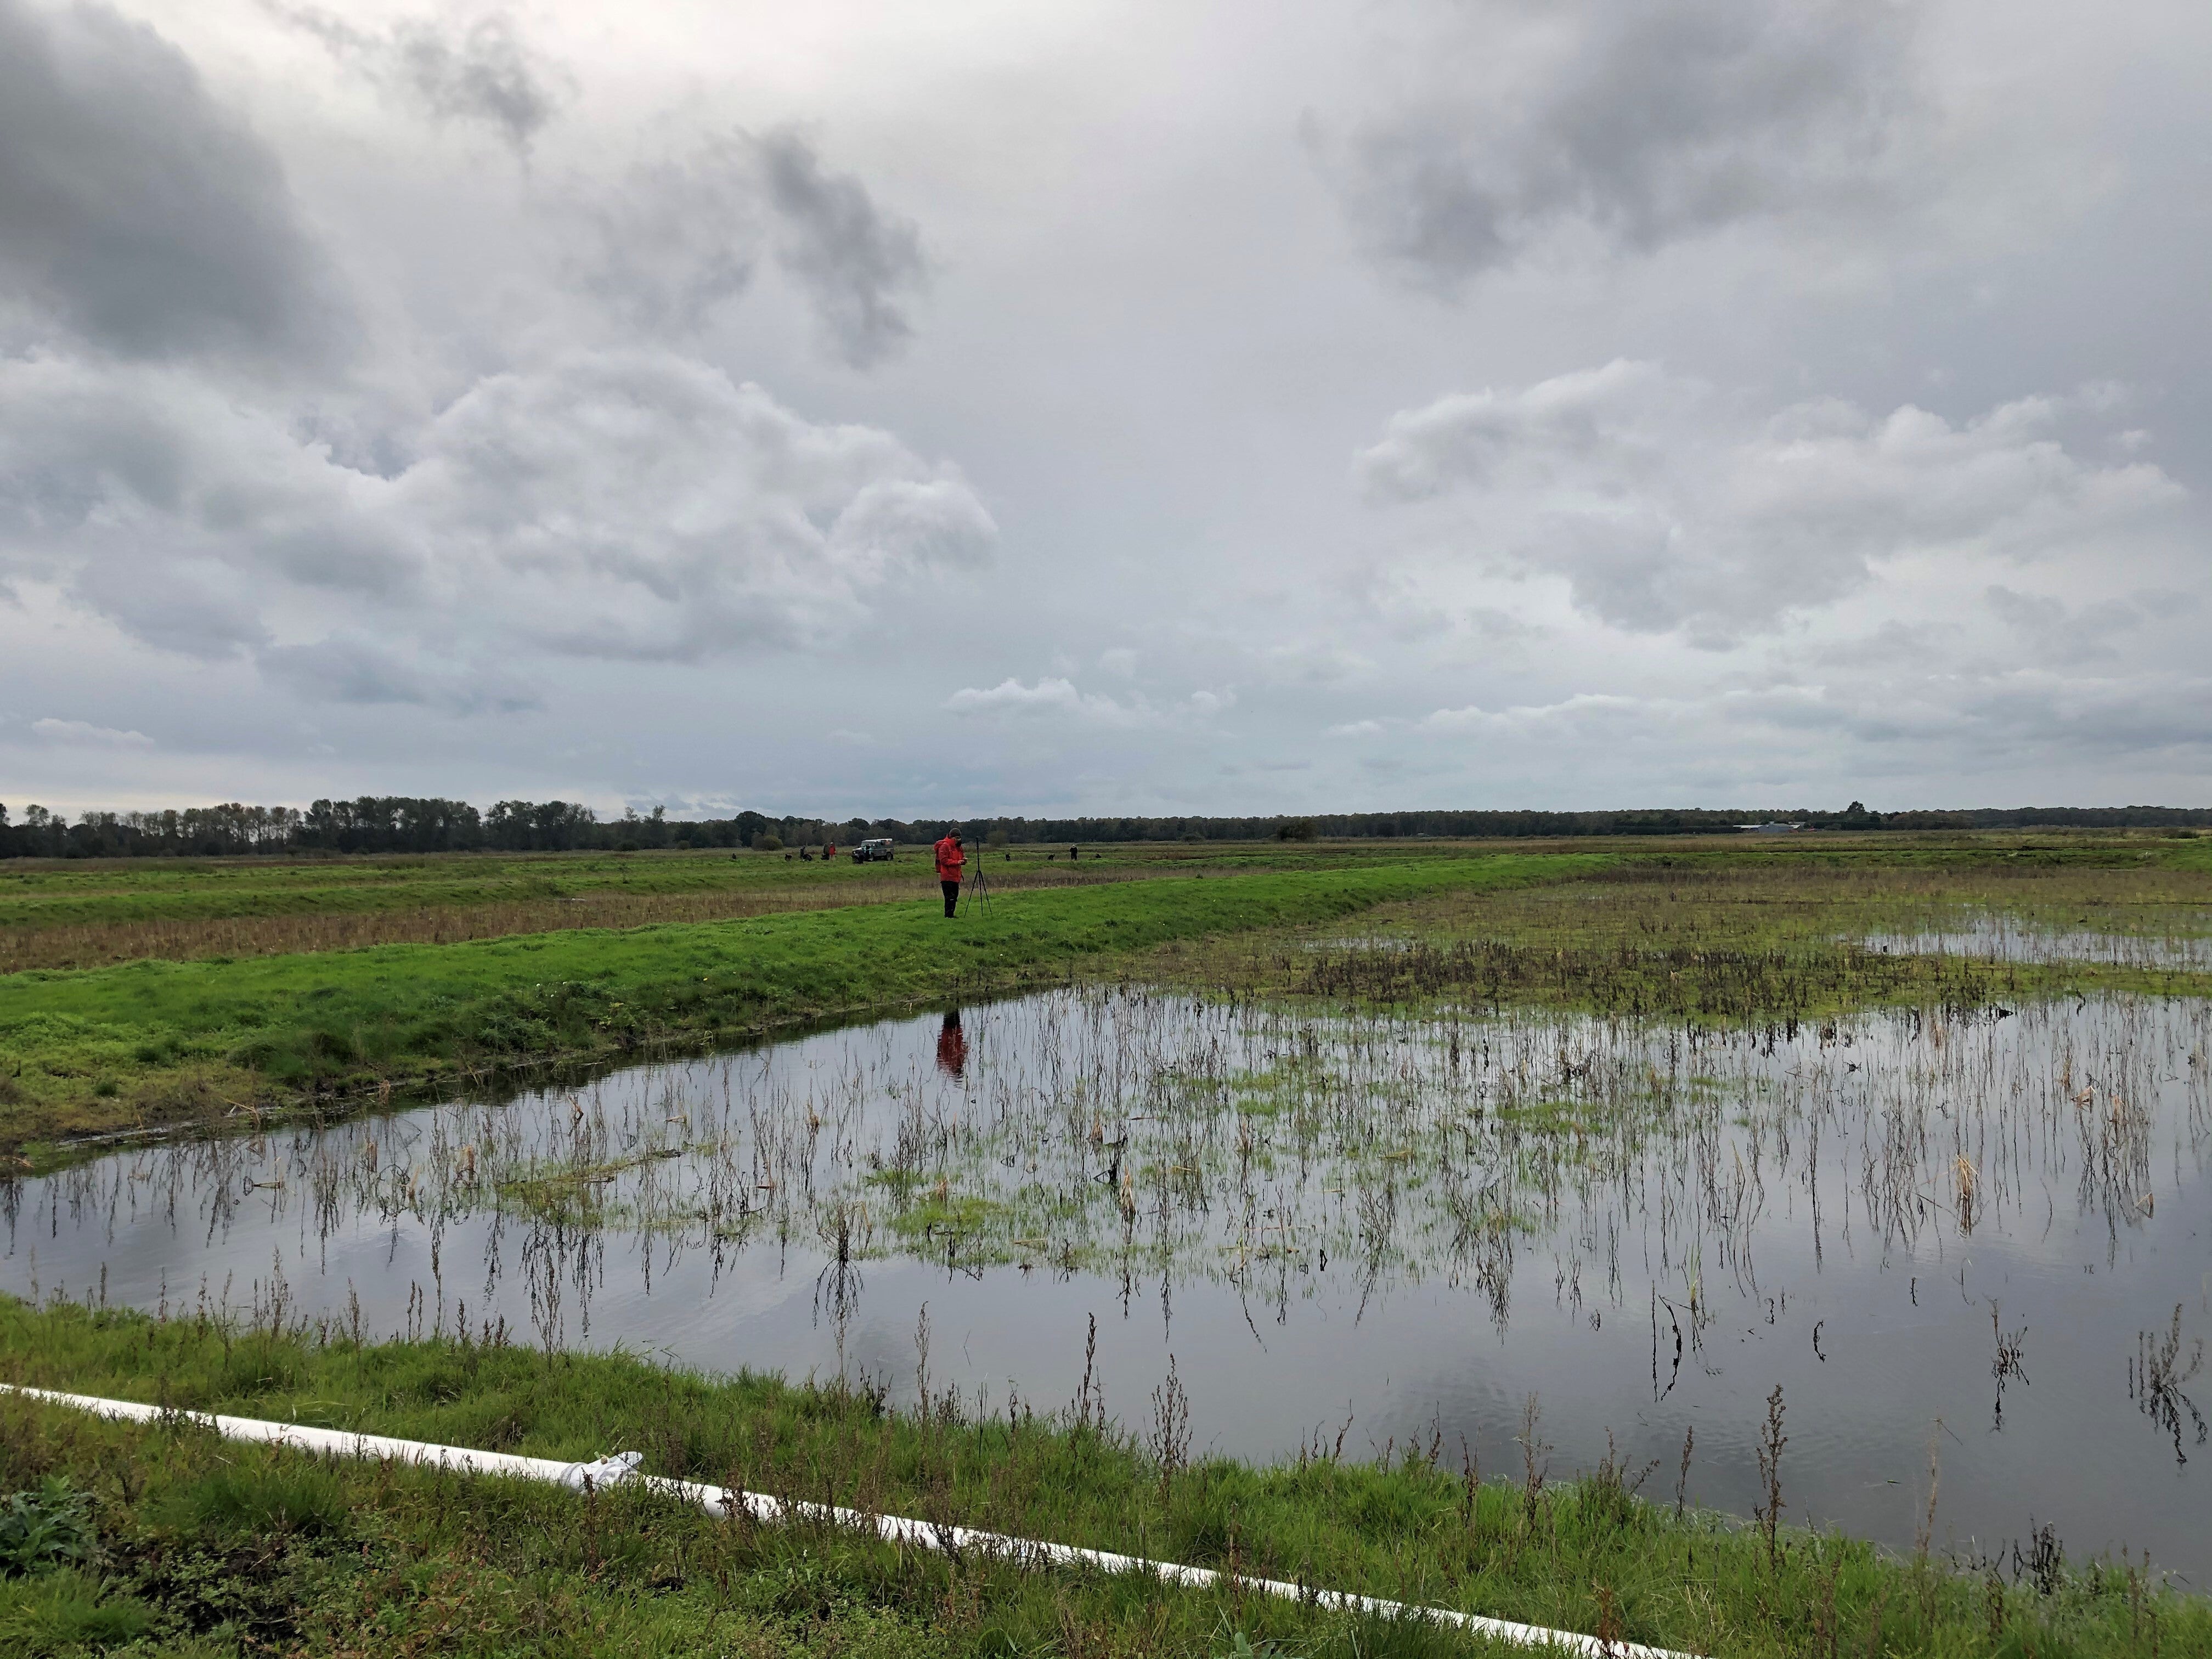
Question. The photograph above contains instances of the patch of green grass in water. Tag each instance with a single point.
(1742, 936)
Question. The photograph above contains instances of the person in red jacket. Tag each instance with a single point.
(950, 857)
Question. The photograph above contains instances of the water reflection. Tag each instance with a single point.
(953, 1046)
(1991, 1230)
(1999, 936)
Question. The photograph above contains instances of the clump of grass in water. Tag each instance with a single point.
(2155, 1374)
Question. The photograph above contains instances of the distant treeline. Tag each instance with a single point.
(399, 823)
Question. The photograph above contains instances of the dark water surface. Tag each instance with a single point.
(1990, 1237)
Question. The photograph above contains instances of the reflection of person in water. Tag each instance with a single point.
(953, 1046)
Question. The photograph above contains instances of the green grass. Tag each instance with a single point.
(1751, 936)
(83, 913)
(153, 1042)
(37, 894)
(231, 1545)
(92, 913)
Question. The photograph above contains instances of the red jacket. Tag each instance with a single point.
(950, 857)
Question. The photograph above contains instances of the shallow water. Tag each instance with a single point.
(1976, 1234)
(1997, 937)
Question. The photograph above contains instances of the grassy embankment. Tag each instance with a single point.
(88, 913)
(154, 1041)
(206, 1548)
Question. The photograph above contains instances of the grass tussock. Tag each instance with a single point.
(193, 1544)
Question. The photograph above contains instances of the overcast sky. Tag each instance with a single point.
(1093, 409)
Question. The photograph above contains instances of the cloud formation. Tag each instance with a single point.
(1984, 719)
(636, 506)
(362, 368)
(85, 734)
(348, 666)
(1054, 700)
(134, 210)
(1050, 698)
(1644, 123)
(484, 72)
(856, 262)
(680, 236)
(1667, 507)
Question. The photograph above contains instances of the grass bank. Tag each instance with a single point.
(159, 1041)
(91, 912)
(209, 1548)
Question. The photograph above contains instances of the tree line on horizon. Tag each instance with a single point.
(402, 823)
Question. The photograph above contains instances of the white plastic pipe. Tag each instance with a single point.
(769, 1510)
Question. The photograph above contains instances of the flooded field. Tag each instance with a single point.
(1973, 1251)
(1999, 938)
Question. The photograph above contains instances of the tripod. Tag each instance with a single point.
(979, 887)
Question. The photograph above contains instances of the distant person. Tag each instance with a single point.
(953, 1046)
(952, 858)
(1074, 852)
(828, 852)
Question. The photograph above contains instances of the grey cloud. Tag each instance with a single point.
(680, 238)
(1050, 698)
(641, 505)
(2058, 632)
(1057, 700)
(1668, 507)
(350, 670)
(1989, 719)
(1647, 122)
(1992, 718)
(2049, 714)
(198, 607)
(857, 262)
(166, 501)
(84, 734)
(134, 210)
(637, 506)
(1576, 715)
(350, 667)
(1891, 645)
(1312, 663)
(484, 73)
(677, 238)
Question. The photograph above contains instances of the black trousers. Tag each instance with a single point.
(952, 894)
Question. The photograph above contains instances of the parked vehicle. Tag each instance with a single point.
(874, 852)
